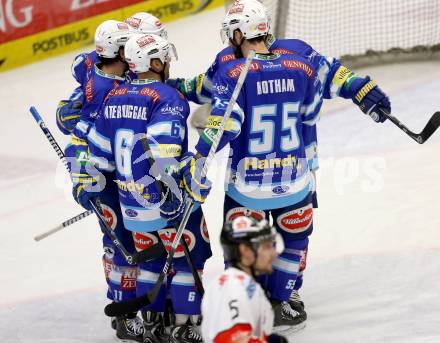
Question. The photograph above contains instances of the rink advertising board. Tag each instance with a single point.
(31, 30)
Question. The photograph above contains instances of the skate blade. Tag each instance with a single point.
(288, 330)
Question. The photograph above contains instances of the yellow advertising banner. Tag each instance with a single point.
(54, 39)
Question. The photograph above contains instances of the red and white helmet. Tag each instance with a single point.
(248, 16)
(110, 36)
(141, 49)
(147, 23)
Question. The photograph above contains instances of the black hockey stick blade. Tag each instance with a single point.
(432, 125)
(151, 253)
(133, 305)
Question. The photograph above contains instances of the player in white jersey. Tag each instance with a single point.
(235, 308)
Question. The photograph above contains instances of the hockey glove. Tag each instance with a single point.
(84, 188)
(69, 112)
(275, 338)
(196, 186)
(173, 199)
(372, 101)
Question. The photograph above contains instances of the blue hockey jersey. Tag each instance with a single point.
(335, 81)
(281, 95)
(130, 111)
(98, 85)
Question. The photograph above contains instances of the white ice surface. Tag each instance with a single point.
(374, 264)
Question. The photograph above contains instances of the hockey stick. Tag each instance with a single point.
(132, 305)
(432, 125)
(151, 253)
(62, 225)
(160, 184)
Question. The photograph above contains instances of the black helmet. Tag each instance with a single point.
(244, 230)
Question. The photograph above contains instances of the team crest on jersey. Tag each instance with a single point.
(243, 211)
(110, 216)
(236, 71)
(167, 236)
(298, 220)
(204, 230)
(292, 64)
(144, 240)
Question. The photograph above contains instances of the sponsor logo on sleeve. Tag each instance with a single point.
(283, 51)
(167, 236)
(298, 220)
(226, 58)
(236, 71)
(150, 92)
(298, 65)
(89, 90)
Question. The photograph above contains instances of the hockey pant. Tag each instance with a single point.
(120, 276)
(180, 281)
(295, 224)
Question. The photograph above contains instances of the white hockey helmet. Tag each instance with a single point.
(110, 36)
(147, 23)
(248, 16)
(142, 48)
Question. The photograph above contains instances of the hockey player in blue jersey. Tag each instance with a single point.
(336, 81)
(138, 119)
(269, 175)
(69, 111)
(106, 74)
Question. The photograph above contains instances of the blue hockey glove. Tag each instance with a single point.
(84, 189)
(173, 200)
(275, 338)
(372, 100)
(197, 187)
(69, 111)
